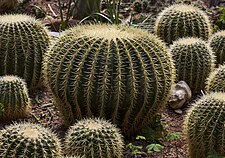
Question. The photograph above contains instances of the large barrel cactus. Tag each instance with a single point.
(14, 98)
(117, 72)
(23, 41)
(204, 126)
(94, 138)
(182, 20)
(194, 60)
(217, 43)
(216, 80)
(29, 141)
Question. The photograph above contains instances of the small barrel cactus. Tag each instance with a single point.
(23, 42)
(29, 140)
(14, 98)
(94, 138)
(182, 20)
(204, 126)
(194, 60)
(217, 43)
(216, 80)
(116, 72)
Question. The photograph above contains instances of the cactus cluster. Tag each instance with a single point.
(23, 41)
(204, 126)
(28, 141)
(217, 43)
(216, 80)
(117, 72)
(182, 20)
(194, 60)
(94, 138)
(14, 98)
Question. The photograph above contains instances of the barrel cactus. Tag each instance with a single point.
(182, 20)
(94, 138)
(28, 140)
(23, 41)
(216, 80)
(217, 43)
(204, 126)
(116, 72)
(14, 98)
(194, 60)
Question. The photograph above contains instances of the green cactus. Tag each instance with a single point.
(14, 98)
(94, 138)
(28, 141)
(217, 43)
(117, 72)
(23, 41)
(182, 20)
(194, 60)
(204, 126)
(216, 80)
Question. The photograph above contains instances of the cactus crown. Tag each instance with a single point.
(28, 140)
(117, 72)
(182, 20)
(14, 98)
(194, 60)
(216, 80)
(204, 125)
(23, 42)
(217, 43)
(16, 18)
(94, 138)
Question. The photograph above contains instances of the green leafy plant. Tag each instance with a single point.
(219, 18)
(1, 108)
(154, 148)
(173, 136)
(110, 15)
(64, 22)
(135, 149)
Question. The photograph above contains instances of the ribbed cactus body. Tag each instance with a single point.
(194, 60)
(181, 20)
(216, 80)
(28, 141)
(116, 72)
(217, 43)
(23, 41)
(204, 126)
(94, 138)
(14, 98)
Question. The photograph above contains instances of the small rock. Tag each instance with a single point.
(178, 111)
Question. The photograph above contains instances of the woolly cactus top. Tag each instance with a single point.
(109, 32)
(183, 8)
(10, 78)
(15, 18)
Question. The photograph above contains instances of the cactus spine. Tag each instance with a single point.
(117, 72)
(216, 80)
(23, 41)
(194, 60)
(204, 126)
(14, 98)
(94, 138)
(182, 20)
(217, 43)
(28, 140)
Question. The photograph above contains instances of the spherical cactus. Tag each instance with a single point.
(23, 41)
(14, 98)
(217, 43)
(94, 138)
(28, 140)
(204, 126)
(194, 60)
(216, 80)
(181, 20)
(117, 72)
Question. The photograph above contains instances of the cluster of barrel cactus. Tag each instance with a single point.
(111, 72)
